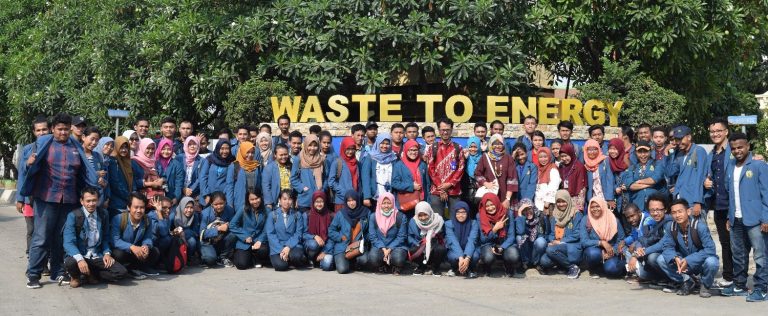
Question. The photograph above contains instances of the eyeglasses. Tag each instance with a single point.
(657, 210)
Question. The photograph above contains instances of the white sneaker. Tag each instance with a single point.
(258, 266)
(450, 273)
(722, 283)
(137, 275)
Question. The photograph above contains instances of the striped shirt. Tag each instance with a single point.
(58, 175)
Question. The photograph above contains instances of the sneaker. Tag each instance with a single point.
(686, 288)
(33, 284)
(259, 266)
(757, 295)
(723, 283)
(149, 272)
(395, 271)
(734, 290)
(227, 263)
(450, 273)
(472, 275)
(594, 275)
(573, 272)
(418, 271)
(46, 271)
(704, 292)
(670, 288)
(137, 275)
(63, 280)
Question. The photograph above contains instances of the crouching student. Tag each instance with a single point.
(348, 233)
(86, 243)
(387, 231)
(564, 247)
(217, 243)
(688, 251)
(461, 234)
(600, 236)
(532, 228)
(497, 235)
(161, 222)
(642, 254)
(186, 224)
(248, 226)
(285, 227)
(132, 234)
(425, 239)
(317, 220)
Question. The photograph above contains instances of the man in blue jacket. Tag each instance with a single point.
(689, 165)
(86, 243)
(747, 181)
(689, 252)
(132, 238)
(24, 203)
(55, 174)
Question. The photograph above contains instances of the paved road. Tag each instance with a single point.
(231, 292)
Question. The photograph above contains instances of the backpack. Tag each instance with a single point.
(80, 219)
(675, 231)
(176, 259)
(124, 221)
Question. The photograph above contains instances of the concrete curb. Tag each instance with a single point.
(7, 196)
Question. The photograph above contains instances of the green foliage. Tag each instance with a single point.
(644, 100)
(250, 102)
(758, 143)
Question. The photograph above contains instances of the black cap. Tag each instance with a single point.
(681, 131)
(78, 120)
(371, 124)
(643, 144)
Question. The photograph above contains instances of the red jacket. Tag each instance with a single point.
(446, 167)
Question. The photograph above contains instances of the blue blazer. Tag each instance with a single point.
(209, 216)
(279, 235)
(123, 240)
(452, 242)
(633, 174)
(239, 185)
(690, 174)
(193, 231)
(34, 172)
(527, 181)
(753, 192)
(174, 177)
(340, 227)
(270, 184)
(395, 236)
(590, 239)
(607, 180)
(118, 190)
(414, 234)
(328, 248)
(194, 183)
(544, 228)
(572, 234)
(77, 244)
(728, 160)
(402, 180)
(370, 182)
(214, 178)
(22, 173)
(247, 224)
(342, 184)
(161, 230)
(693, 255)
(303, 177)
(492, 239)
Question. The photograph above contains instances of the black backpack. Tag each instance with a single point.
(675, 231)
(80, 219)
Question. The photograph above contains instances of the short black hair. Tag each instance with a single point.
(62, 118)
(243, 126)
(531, 117)
(540, 134)
(497, 122)
(566, 124)
(281, 146)
(225, 130)
(357, 127)
(137, 196)
(283, 192)
(519, 145)
(680, 201)
(90, 190)
(315, 129)
(168, 119)
(139, 119)
(411, 124)
(659, 129)
(627, 130)
(186, 121)
(445, 120)
(480, 124)
(253, 128)
(631, 206)
(738, 135)
(267, 126)
(91, 129)
(659, 197)
(396, 125)
(217, 195)
(325, 134)
(644, 125)
(295, 134)
(41, 119)
(427, 129)
(284, 117)
(719, 120)
(594, 128)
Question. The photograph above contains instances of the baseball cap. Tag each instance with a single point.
(77, 120)
(681, 131)
(643, 144)
(371, 124)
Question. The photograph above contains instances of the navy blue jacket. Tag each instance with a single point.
(340, 233)
(304, 177)
(77, 245)
(695, 256)
(247, 224)
(395, 237)
(279, 235)
(589, 237)
(753, 192)
(492, 239)
(194, 183)
(174, 178)
(452, 242)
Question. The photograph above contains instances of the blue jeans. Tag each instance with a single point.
(327, 263)
(344, 266)
(648, 268)
(707, 270)
(312, 249)
(511, 256)
(613, 267)
(209, 253)
(49, 222)
(397, 258)
(742, 237)
(296, 258)
(561, 255)
(532, 251)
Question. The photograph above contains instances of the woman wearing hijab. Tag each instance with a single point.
(125, 176)
(600, 180)
(410, 175)
(532, 231)
(186, 224)
(285, 228)
(461, 235)
(377, 169)
(106, 148)
(248, 225)
(497, 235)
(348, 232)
(316, 242)
(548, 182)
(344, 173)
(388, 231)
(245, 175)
(190, 163)
(145, 158)
(133, 141)
(426, 240)
(617, 157)
(263, 143)
(564, 248)
(601, 232)
(496, 170)
(170, 170)
(213, 172)
(574, 175)
(308, 172)
(472, 156)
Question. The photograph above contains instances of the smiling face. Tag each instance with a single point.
(543, 158)
(429, 138)
(264, 144)
(312, 148)
(613, 152)
(136, 209)
(445, 130)
(286, 201)
(490, 208)
(423, 217)
(40, 129)
(643, 155)
(565, 158)
(89, 201)
(281, 155)
(384, 146)
(497, 128)
(108, 148)
(90, 141)
(679, 214)
(461, 215)
(141, 128)
(561, 204)
(386, 205)
(480, 132)
(168, 129)
(250, 154)
(595, 210)
(149, 152)
(657, 210)
(351, 203)
(593, 152)
(413, 153)
(538, 141)
(243, 135)
(498, 147)
(740, 149)
(644, 133)
(225, 151)
(254, 201)
(166, 152)
(472, 149)
(124, 150)
(319, 203)
(189, 209)
(633, 216)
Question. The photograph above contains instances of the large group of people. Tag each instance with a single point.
(632, 207)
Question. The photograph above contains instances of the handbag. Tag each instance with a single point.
(408, 200)
(355, 248)
(483, 190)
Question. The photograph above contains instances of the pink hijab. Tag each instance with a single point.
(384, 221)
(188, 155)
(605, 226)
(592, 164)
(144, 161)
(159, 157)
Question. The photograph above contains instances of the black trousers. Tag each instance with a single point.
(245, 259)
(721, 220)
(97, 268)
(129, 260)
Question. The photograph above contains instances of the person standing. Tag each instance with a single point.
(40, 127)
(719, 159)
(689, 165)
(446, 166)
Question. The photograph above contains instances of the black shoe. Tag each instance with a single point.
(685, 288)
(704, 292)
(46, 271)
(33, 284)
(63, 279)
